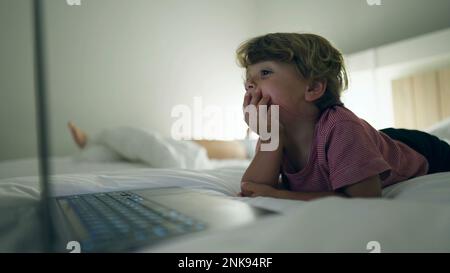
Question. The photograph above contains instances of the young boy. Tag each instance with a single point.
(324, 148)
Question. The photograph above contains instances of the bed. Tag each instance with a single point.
(412, 216)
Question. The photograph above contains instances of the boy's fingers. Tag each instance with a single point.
(245, 193)
(254, 101)
(246, 102)
(265, 118)
(269, 114)
(247, 99)
(264, 101)
(249, 186)
(244, 189)
(256, 98)
(268, 121)
(245, 186)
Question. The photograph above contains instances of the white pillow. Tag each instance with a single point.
(97, 153)
(441, 129)
(141, 145)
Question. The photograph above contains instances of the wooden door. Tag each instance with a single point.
(421, 100)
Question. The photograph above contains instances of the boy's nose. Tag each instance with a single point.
(249, 86)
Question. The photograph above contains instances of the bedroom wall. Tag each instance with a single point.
(110, 68)
(17, 111)
(371, 73)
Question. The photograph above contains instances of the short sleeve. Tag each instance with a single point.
(352, 155)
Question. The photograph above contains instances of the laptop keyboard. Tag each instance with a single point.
(123, 216)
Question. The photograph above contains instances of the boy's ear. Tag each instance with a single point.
(315, 90)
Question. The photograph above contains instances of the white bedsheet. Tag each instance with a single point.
(334, 225)
(61, 165)
(414, 216)
(75, 165)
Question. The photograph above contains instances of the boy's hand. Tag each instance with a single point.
(257, 100)
(250, 189)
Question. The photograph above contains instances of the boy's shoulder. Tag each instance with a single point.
(337, 115)
(342, 124)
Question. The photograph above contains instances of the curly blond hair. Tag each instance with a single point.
(313, 55)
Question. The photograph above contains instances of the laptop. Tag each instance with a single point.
(122, 220)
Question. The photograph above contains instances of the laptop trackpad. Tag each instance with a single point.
(215, 211)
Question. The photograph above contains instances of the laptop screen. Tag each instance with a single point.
(42, 121)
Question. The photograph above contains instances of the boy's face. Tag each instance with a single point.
(282, 83)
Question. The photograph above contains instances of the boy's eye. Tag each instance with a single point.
(265, 72)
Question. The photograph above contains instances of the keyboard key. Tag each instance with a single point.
(160, 231)
(110, 216)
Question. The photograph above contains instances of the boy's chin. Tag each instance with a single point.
(288, 117)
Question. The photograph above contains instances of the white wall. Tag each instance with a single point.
(17, 112)
(115, 62)
(371, 73)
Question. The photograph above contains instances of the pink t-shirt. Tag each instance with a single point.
(347, 150)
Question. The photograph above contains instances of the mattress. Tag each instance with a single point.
(72, 164)
(412, 216)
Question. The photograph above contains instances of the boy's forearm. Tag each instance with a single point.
(265, 166)
(304, 196)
